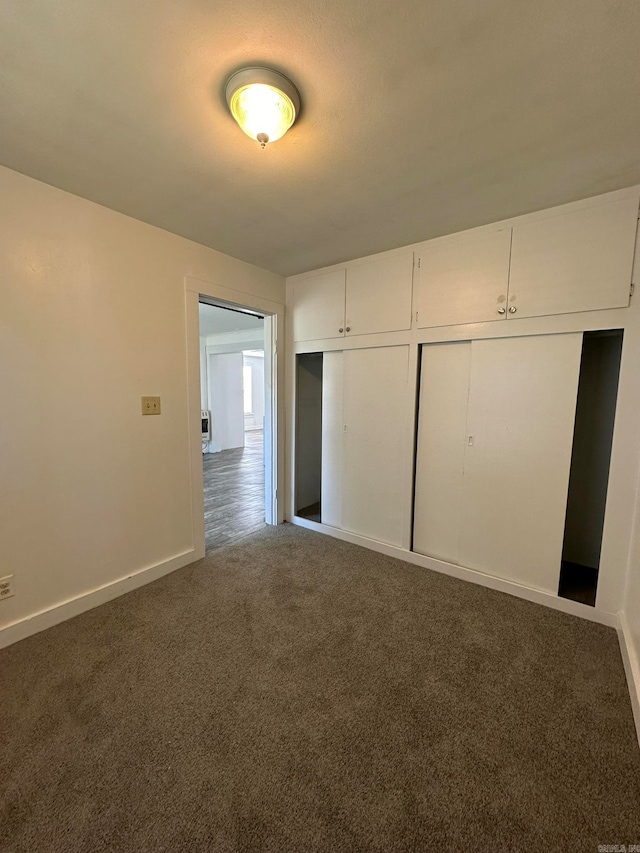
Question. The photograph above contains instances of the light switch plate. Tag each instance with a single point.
(150, 405)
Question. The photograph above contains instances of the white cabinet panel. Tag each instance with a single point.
(375, 412)
(517, 456)
(379, 295)
(332, 427)
(318, 307)
(577, 261)
(463, 280)
(442, 427)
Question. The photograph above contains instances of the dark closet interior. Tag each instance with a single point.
(308, 450)
(590, 459)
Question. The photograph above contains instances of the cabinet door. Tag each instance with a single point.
(318, 307)
(375, 411)
(332, 428)
(442, 429)
(520, 422)
(578, 261)
(463, 280)
(379, 295)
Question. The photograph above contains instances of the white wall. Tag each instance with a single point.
(92, 318)
(204, 378)
(630, 613)
(226, 401)
(256, 364)
(631, 610)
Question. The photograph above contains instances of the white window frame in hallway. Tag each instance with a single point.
(197, 291)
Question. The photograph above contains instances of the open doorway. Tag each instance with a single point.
(233, 391)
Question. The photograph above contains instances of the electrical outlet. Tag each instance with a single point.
(6, 587)
(150, 405)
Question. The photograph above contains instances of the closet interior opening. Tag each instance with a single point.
(590, 460)
(308, 455)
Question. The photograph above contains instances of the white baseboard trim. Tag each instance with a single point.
(37, 622)
(573, 608)
(631, 667)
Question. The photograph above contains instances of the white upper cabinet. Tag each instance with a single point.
(463, 279)
(571, 259)
(318, 307)
(367, 298)
(576, 261)
(379, 295)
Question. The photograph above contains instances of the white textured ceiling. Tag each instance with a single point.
(420, 117)
(216, 321)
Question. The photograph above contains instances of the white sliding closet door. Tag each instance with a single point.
(374, 410)
(520, 424)
(332, 393)
(442, 429)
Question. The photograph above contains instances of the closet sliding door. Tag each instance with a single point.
(442, 430)
(495, 434)
(520, 420)
(332, 465)
(374, 412)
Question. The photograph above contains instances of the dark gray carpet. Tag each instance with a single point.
(296, 693)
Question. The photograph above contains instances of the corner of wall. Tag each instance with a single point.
(631, 667)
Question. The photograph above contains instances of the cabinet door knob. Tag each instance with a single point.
(502, 310)
(348, 329)
(341, 330)
(512, 309)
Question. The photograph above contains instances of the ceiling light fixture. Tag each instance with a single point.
(264, 102)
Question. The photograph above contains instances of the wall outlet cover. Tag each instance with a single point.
(7, 588)
(150, 405)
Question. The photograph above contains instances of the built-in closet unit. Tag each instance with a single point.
(466, 400)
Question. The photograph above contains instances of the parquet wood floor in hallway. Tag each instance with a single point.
(234, 492)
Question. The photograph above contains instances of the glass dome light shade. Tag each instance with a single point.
(261, 109)
(263, 102)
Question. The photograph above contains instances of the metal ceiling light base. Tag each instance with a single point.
(264, 102)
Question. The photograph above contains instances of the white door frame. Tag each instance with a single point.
(197, 290)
